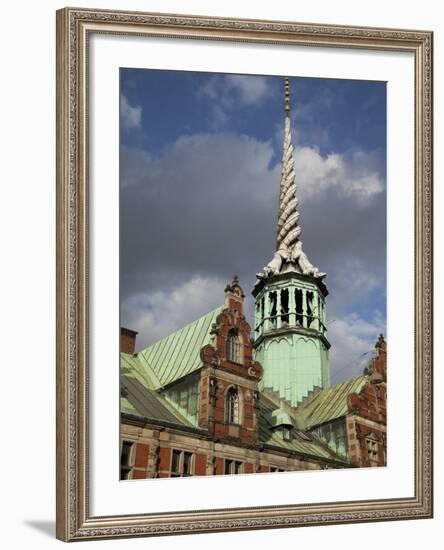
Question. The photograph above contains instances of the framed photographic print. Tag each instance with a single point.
(244, 274)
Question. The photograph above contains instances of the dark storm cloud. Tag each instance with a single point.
(204, 207)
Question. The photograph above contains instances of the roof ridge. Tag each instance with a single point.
(133, 362)
(329, 403)
(182, 328)
(178, 354)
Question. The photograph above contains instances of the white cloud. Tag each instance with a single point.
(353, 340)
(159, 314)
(131, 117)
(353, 176)
(228, 92)
(251, 90)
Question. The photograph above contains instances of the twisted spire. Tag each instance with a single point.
(289, 255)
(288, 230)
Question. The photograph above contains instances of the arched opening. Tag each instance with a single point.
(310, 309)
(232, 404)
(284, 307)
(299, 310)
(272, 296)
(234, 347)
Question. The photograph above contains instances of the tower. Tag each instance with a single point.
(290, 316)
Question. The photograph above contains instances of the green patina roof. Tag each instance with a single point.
(281, 417)
(178, 355)
(146, 403)
(127, 408)
(131, 366)
(328, 404)
(300, 442)
(172, 357)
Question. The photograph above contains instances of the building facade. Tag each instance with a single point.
(208, 417)
(215, 398)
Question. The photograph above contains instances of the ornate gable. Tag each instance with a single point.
(229, 393)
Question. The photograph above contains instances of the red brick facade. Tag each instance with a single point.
(226, 437)
(141, 459)
(164, 462)
(230, 368)
(127, 340)
(367, 419)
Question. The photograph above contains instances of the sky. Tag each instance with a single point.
(200, 158)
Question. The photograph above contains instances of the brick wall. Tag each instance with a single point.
(127, 340)
(200, 464)
(141, 459)
(164, 463)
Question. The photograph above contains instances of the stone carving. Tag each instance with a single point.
(211, 462)
(297, 257)
(208, 356)
(272, 268)
(256, 371)
(152, 461)
(212, 390)
(306, 266)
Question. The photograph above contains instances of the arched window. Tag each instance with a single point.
(232, 406)
(234, 347)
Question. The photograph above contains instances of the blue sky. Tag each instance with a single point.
(200, 162)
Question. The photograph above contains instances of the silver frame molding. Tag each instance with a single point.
(74, 521)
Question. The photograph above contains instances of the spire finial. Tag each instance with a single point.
(287, 96)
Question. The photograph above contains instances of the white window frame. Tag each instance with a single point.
(181, 473)
(233, 417)
(232, 462)
(234, 347)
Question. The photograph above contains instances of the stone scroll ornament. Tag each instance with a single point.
(289, 255)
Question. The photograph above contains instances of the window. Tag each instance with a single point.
(284, 307)
(310, 308)
(125, 459)
(276, 469)
(181, 463)
(233, 406)
(234, 347)
(299, 309)
(286, 433)
(232, 467)
(272, 296)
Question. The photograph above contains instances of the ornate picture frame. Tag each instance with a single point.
(74, 30)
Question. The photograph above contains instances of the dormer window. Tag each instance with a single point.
(234, 347)
(286, 433)
(282, 424)
(232, 406)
